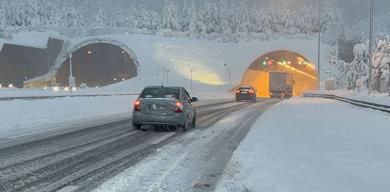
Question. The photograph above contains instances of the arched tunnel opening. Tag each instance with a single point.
(304, 73)
(97, 65)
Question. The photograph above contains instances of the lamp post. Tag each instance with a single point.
(72, 80)
(192, 70)
(370, 47)
(319, 44)
(167, 71)
(388, 87)
(229, 73)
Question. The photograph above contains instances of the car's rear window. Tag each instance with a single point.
(160, 93)
(245, 88)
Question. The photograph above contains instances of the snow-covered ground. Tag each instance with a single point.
(380, 98)
(26, 116)
(20, 117)
(311, 144)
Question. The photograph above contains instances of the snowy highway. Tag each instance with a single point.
(85, 158)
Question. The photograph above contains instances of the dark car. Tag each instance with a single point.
(165, 106)
(246, 93)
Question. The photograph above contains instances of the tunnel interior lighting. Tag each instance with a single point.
(89, 52)
(10, 86)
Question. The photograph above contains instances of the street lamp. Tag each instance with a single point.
(72, 80)
(167, 71)
(319, 44)
(370, 47)
(192, 70)
(229, 72)
(388, 87)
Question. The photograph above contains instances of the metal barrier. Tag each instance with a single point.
(365, 104)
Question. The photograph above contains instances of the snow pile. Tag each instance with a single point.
(19, 117)
(307, 145)
(24, 116)
(379, 98)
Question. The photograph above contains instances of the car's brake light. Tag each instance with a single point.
(252, 91)
(137, 105)
(179, 107)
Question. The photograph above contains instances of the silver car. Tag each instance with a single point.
(164, 107)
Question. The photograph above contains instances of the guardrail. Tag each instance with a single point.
(62, 96)
(365, 104)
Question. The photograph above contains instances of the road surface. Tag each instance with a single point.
(83, 160)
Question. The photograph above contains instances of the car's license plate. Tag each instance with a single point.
(156, 107)
(244, 92)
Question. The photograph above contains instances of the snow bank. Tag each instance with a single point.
(33, 39)
(379, 98)
(310, 145)
(19, 117)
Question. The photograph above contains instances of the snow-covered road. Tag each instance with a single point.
(193, 162)
(309, 144)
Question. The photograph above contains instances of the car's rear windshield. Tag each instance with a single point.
(245, 88)
(169, 93)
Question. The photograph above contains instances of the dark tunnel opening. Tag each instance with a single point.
(98, 65)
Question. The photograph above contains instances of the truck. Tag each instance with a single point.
(281, 85)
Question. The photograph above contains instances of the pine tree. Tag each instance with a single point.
(381, 53)
(244, 26)
(3, 20)
(170, 17)
(358, 69)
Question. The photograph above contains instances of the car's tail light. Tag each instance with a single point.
(137, 105)
(252, 92)
(179, 107)
(238, 91)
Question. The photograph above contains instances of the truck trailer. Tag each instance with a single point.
(281, 85)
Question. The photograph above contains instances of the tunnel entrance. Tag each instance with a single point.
(303, 71)
(98, 64)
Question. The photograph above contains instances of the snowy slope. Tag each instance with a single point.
(310, 145)
(157, 54)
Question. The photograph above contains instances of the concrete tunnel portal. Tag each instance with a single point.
(303, 71)
(98, 64)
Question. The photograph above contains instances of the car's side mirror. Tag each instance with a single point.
(194, 99)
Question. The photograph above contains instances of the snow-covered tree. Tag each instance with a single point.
(189, 10)
(3, 20)
(349, 73)
(170, 19)
(244, 26)
(332, 23)
(196, 26)
(380, 66)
